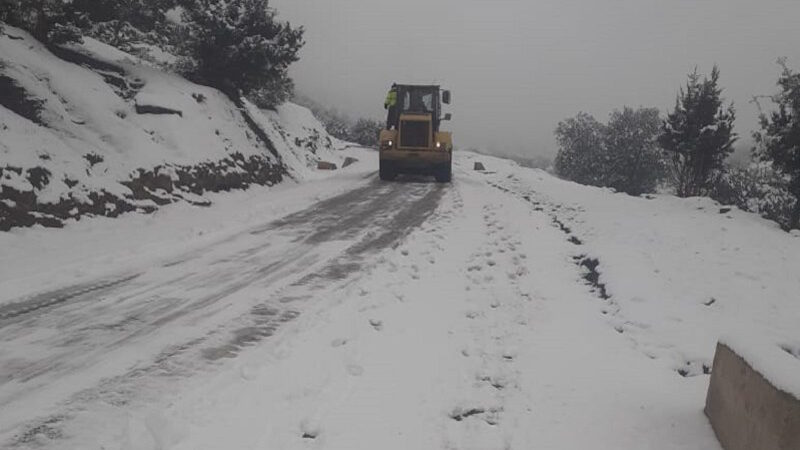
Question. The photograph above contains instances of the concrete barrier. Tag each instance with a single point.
(753, 402)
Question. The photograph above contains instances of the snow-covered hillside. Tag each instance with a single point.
(95, 131)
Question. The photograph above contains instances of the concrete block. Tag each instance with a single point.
(746, 409)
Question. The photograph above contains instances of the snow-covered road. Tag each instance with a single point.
(395, 316)
(101, 340)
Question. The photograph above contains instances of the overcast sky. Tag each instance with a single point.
(517, 67)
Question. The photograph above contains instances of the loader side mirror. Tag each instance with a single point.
(447, 116)
(446, 97)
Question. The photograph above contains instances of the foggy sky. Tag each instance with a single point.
(517, 67)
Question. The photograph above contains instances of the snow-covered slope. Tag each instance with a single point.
(96, 131)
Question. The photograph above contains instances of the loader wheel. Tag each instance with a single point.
(445, 173)
(386, 173)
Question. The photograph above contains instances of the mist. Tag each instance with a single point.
(516, 68)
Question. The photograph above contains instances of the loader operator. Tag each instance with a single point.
(391, 105)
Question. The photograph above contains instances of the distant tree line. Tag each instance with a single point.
(637, 151)
(237, 46)
(363, 131)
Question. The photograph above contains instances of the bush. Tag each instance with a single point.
(581, 151)
(622, 154)
(634, 162)
(758, 189)
(49, 21)
(365, 132)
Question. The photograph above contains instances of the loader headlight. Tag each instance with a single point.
(438, 145)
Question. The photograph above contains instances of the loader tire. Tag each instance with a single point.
(445, 173)
(386, 173)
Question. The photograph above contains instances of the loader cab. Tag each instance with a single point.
(422, 101)
(419, 114)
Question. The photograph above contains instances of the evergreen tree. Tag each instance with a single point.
(239, 46)
(778, 142)
(635, 164)
(581, 151)
(48, 21)
(698, 134)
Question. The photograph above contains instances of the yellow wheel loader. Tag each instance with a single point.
(412, 142)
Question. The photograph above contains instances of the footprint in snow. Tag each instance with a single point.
(338, 342)
(376, 324)
(355, 370)
(309, 430)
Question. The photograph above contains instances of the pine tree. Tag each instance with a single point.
(778, 142)
(239, 46)
(698, 134)
(581, 153)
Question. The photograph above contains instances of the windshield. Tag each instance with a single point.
(418, 100)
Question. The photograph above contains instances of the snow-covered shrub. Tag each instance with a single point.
(133, 26)
(365, 132)
(47, 20)
(779, 139)
(698, 134)
(622, 154)
(758, 189)
(635, 164)
(581, 151)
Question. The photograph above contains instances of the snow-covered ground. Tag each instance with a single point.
(419, 316)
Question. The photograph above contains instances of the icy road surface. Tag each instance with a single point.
(507, 310)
